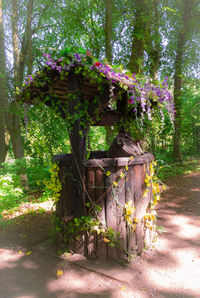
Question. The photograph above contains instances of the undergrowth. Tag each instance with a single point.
(172, 169)
(12, 193)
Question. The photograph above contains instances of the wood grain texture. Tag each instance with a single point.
(130, 188)
(120, 221)
(130, 196)
(111, 209)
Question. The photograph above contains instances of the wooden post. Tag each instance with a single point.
(78, 135)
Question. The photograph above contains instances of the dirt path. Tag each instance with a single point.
(172, 270)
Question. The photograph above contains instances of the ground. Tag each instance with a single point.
(30, 268)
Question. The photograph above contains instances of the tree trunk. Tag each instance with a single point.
(29, 37)
(3, 90)
(154, 42)
(153, 49)
(108, 30)
(182, 38)
(14, 128)
(3, 146)
(108, 50)
(138, 38)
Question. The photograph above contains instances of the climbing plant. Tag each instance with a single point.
(145, 97)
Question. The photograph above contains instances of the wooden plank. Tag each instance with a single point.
(138, 199)
(130, 188)
(104, 162)
(141, 206)
(99, 191)
(102, 248)
(137, 160)
(111, 209)
(137, 184)
(120, 221)
(91, 240)
(90, 182)
(120, 161)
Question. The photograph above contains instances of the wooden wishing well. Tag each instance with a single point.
(85, 180)
(100, 188)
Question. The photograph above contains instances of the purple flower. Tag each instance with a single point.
(59, 68)
(47, 55)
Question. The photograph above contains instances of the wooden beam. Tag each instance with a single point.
(108, 118)
(78, 136)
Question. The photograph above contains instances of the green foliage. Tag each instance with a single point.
(188, 166)
(11, 193)
(190, 129)
(97, 138)
(113, 237)
(45, 133)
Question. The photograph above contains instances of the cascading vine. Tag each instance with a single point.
(144, 95)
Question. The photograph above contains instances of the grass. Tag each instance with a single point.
(188, 166)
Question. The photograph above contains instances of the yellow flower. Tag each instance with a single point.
(145, 193)
(131, 157)
(156, 188)
(108, 173)
(121, 174)
(149, 225)
(164, 187)
(157, 198)
(136, 220)
(126, 167)
(115, 183)
(123, 288)
(134, 226)
(59, 272)
(106, 240)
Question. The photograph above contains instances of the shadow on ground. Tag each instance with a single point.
(172, 270)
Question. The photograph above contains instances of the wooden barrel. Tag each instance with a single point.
(111, 190)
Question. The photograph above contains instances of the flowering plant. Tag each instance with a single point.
(144, 95)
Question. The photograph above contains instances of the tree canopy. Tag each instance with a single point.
(157, 39)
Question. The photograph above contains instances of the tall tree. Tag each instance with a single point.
(14, 128)
(108, 49)
(29, 36)
(108, 30)
(3, 88)
(185, 29)
(153, 39)
(138, 36)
